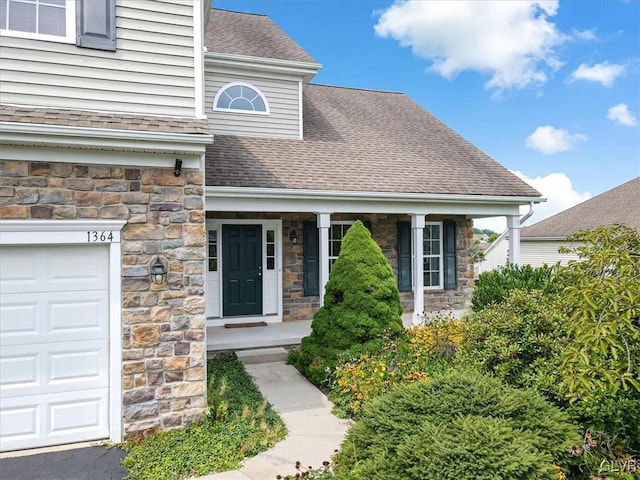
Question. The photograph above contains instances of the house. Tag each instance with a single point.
(125, 232)
(539, 243)
(103, 136)
(293, 164)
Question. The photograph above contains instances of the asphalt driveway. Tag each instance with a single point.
(90, 463)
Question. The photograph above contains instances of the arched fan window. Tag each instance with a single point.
(241, 97)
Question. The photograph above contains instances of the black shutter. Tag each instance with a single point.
(449, 239)
(96, 24)
(311, 262)
(404, 256)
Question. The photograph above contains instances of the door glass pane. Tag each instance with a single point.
(271, 236)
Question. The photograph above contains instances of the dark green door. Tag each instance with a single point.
(241, 270)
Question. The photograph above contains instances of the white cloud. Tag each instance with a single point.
(549, 140)
(558, 190)
(604, 73)
(513, 42)
(621, 115)
(586, 35)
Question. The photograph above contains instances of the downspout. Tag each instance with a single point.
(523, 219)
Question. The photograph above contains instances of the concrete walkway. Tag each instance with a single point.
(314, 433)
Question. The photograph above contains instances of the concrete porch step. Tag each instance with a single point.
(262, 355)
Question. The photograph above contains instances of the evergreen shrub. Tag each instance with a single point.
(459, 426)
(493, 287)
(361, 307)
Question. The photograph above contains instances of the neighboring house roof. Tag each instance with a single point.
(362, 140)
(251, 35)
(119, 121)
(619, 205)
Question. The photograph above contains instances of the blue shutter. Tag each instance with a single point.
(404, 256)
(449, 245)
(96, 24)
(311, 261)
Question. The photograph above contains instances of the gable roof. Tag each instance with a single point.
(251, 35)
(365, 141)
(618, 205)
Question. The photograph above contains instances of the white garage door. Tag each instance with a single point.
(54, 345)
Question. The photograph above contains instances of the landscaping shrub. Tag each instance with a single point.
(361, 305)
(493, 287)
(458, 426)
(239, 423)
(519, 340)
(420, 352)
(601, 365)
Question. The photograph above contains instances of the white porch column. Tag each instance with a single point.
(513, 225)
(417, 234)
(324, 222)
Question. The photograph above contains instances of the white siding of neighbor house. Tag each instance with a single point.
(281, 92)
(151, 72)
(537, 253)
(495, 257)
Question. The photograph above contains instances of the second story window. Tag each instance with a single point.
(45, 19)
(240, 97)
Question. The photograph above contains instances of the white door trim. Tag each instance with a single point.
(52, 232)
(216, 224)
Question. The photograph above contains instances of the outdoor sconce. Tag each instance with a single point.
(158, 272)
(293, 237)
(177, 169)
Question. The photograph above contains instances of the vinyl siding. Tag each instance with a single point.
(281, 93)
(151, 72)
(537, 253)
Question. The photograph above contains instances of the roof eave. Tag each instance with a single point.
(153, 146)
(291, 67)
(283, 199)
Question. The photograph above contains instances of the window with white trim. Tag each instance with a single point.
(336, 233)
(39, 19)
(432, 255)
(240, 97)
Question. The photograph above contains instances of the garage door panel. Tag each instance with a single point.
(54, 345)
(54, 269)
(19, 318)
(43, 317)
(51, 368)
(53, 419)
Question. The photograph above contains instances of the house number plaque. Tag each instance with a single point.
(95, 236)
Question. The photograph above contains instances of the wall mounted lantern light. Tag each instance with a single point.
(293, 237)
(158, 272)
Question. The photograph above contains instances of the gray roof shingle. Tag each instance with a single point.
(251, 35)
(362, 140)
(81, 118)
(618, 205)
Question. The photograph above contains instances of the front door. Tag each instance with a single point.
(241, 270)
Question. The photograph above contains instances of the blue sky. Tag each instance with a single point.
(550, 89)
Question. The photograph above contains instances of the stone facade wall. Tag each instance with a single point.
(163, 326)
(297, 306)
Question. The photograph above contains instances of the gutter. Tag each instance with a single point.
(299, 194)
(99, 138)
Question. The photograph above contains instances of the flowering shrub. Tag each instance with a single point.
(421, 351)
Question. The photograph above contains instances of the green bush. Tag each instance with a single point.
(361, 306)
(239, 423)
(601, 365)
(519, 340)
(458, 426)
(493, 287)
